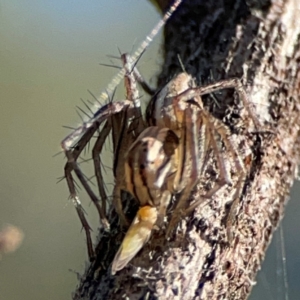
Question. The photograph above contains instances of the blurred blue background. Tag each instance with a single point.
(49, 56)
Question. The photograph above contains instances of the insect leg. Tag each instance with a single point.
(240, 170)
(97, 163)
(188, 170)
(86, 131)
(234, 83)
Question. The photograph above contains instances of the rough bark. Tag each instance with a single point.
(257, 41)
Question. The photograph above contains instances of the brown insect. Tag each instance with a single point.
(170, 157)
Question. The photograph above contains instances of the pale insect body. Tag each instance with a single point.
(136, 237)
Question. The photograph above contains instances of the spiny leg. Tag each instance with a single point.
(69, 167)
(126, 127)
(121, 142)
(87, 131)
(189, 168)
(234, 83)
(132, 92)
(223, 174)
(223, 179)
(162, 209)
(122, 139)
(72, 155)
(101, 115)
(143, 83)
(86, 227)
(230, 217)
(240, 169)
(230, 144)
(97, 149)
(217, 127)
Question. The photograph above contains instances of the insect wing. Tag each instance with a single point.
(136, 237)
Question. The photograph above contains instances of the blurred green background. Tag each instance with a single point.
(49, 56)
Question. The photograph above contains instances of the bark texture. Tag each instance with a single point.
(257, 41)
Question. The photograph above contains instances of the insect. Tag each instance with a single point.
(170, 157)
(177, 108)
(120, 117)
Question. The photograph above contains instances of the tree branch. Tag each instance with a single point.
(257, 41)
